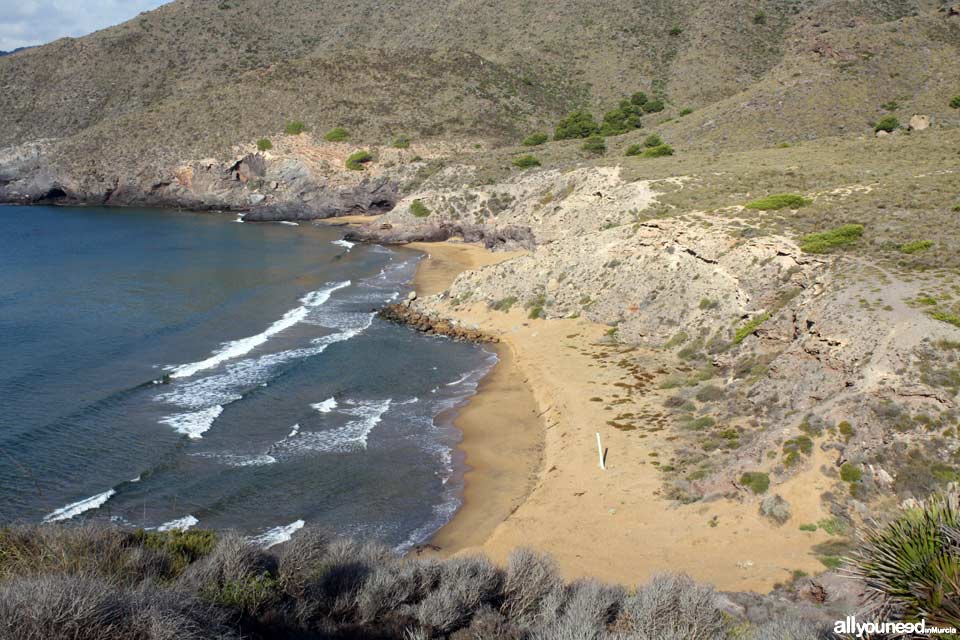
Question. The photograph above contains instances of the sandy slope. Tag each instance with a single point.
(608, 524)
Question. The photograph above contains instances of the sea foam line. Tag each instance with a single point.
(349, 437)
(242, 346)
(346, 244)
(326, 406)
(195, 423)
(277, 535)
(74, 509)
(182, 524)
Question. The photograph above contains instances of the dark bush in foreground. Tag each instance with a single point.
(106, 583)
(579, 124)
(887, 123)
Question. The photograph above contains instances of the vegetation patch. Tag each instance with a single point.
(658, 151)
(401, 142)
(756, 481)
(595, 144)
(916, 246)
(826, 241)
(751, 326)
(294, 128)
(264, 144)
(535, 139)
(526, 162)
(946, 316)
(633, 150)
(955, 102)
(357, 159)
(504, 304)
(579, 124)
(887, 123)
(337, 134)
(779, 201)
(418, 209)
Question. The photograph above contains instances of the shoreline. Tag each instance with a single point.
(613, 525)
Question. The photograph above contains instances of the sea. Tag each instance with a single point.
(166, 369)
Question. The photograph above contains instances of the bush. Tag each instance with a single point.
(465, 585)
(760, 17)
(916, 246)
(337, 134)
(639, 98)
(887, 123)
(955, 102)
(530, 579)
(418, 209)
(779, 201)
(686, 111)
(756, 481)
(579, 124)
(357, 159)
(675, 31)
(294, 128)
(673, 607)
(401, 142)
(658, 151)
(534, 139)
(526, 162)
(624, 118)
(633, 150)
(850, 473)
(912, 566)
(652, 140)
(828, 240)
(752, 325)
(264, 144)
(595, 144)
(653, 106)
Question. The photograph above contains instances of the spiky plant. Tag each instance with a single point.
(911, 566)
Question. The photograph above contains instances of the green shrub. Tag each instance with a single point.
(675, 31)
(181, 547)
(639, 98)
(658, 151)
(850, 473)
(357, 159)
(579, 124)
(652, 140)
(401, 142)
(751, 326)
(760, 17)
(778, 201)
(946, 316)
(808, 527)
(337, 134)
(264, 144)
(887, 123)
(686, 111)
(294, 128)
(246, 594)
(955, 102)
(890, 106)
(526, 162)
(595, 144)
(846, 430)
(912, 565)
(756, 481)
(624, 118)
(418, 209)
(916, 246)
(534, 139)
(827, 240)
(653, 106)
(633, 150)
(504, 304)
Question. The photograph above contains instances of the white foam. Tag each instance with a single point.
(182, 524)
(277, 535)
(242, 346)
(239, 460)
(350, 437)
(346, 244)
(326, 406)
(465, 377)
(81, 506)
(194, 423)
(239, 219)
(288, 223)
(294, 430)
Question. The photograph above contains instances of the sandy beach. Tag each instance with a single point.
(548, 492)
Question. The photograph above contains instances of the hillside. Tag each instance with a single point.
(195, 79)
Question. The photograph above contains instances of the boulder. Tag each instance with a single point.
(882, 133)
(919, 123)
(775, 508)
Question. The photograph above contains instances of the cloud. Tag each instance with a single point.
(25, 23)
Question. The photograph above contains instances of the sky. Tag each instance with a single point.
(25, 23)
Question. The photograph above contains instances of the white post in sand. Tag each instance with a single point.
(600, 451)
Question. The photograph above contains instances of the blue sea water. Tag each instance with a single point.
(164, 368)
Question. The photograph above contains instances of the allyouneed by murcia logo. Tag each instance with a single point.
(850, 626)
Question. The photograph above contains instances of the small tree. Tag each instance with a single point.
(955, 102)
(579, 124)
(658, 151)
(595, 144)
(624, 118)
(337, 134)
(357, 159)
(418, 209)
(633, 150)
(653, 106)
(653, 140)
(639, 98)
(264, 144)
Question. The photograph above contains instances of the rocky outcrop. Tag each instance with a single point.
(507, 237)
(425, 323)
